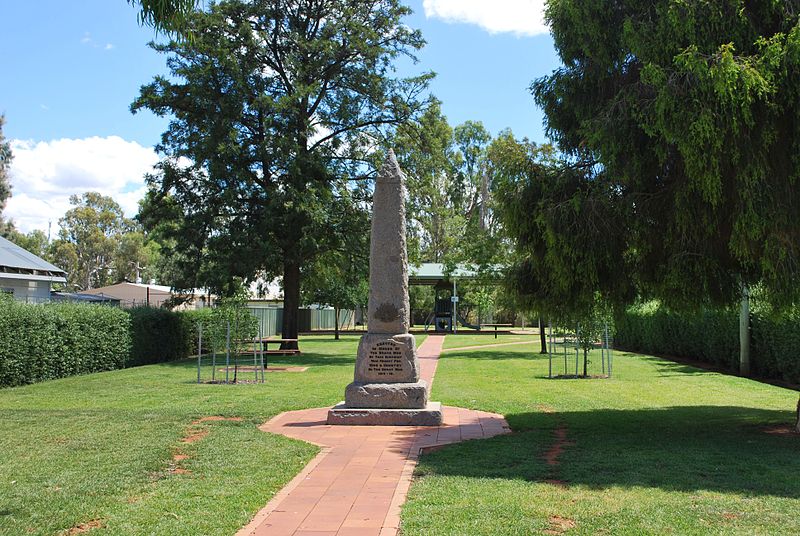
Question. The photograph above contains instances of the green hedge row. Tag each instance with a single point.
(40, 343)
(44, 342)
(712, 336)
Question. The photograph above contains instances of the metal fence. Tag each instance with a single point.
(270, 319)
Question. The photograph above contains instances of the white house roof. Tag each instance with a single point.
(18, 263)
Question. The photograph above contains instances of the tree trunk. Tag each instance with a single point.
(291, 303)
(585, 363)
(336, 323)
(744, 333)
(542, 337)
(797, 424)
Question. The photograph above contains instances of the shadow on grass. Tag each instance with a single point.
(672, 368)
(494, 354)
(723, 449)
(298, 360)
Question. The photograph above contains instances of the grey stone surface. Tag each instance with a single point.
(388, 262)
(431, 415)
(387, 389)
(387, 359)
(387, 395)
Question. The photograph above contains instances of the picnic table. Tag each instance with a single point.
(495, 326)
(266, 342)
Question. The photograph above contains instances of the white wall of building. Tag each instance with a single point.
(25, 290)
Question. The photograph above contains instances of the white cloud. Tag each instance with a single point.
(520, 17)
(45, 174)
(88, 40)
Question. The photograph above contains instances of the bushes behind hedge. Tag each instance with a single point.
(712, 336)
(44, 342)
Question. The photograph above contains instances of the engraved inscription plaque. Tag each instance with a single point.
(385, 359)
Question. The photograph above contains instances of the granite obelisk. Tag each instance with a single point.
(387, 389)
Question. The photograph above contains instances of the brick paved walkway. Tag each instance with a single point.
(358, 482)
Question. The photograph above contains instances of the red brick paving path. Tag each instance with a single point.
(358, 482)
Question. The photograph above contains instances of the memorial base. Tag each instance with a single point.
(387, 395)
(431, 415)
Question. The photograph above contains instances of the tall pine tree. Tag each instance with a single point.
(277, 104)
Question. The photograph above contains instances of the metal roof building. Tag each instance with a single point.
(26, 276)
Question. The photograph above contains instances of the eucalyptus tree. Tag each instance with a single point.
(6, 227)
(97, 245)
(276, 105)
(426, 151)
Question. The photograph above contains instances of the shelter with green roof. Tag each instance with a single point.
(444, 279)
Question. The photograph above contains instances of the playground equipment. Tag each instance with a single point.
(569, 341)
(445, 317)
(230, 356)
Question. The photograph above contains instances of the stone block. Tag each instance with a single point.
(387, 359)
(387, 395)
(431, 415)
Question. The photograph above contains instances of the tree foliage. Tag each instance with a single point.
(680, 127)
(165, 15)
(97, 245)
(339, 277)
(276, 104)
(6, 156)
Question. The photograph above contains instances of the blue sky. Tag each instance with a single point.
(73, 68)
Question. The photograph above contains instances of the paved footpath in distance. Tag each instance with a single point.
(358, 482)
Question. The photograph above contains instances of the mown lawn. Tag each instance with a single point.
(469, 338)
(661, 448)
(100, 447)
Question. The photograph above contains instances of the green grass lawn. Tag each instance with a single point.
(100, 447)
(661, 448)
(469, 338)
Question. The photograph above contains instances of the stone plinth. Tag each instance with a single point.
(431, 415)
(387, 395)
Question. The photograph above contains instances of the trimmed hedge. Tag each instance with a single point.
(49, 341)
(712, 336)
(775, 347)
(158, 335)
(44, 342)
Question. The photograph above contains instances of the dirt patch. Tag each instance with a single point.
(559, 525)
(730, 516)
(194, 435)
(217, 418)
(781, 430)
(179, 471)
(251, 370)
(180, 457)
(286, 369)
(558, 447)
(552, 455)
(80, 528)
(544, 408)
